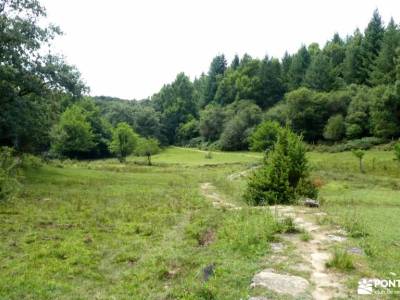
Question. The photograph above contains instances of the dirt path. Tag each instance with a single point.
(315, 252)
(209, 191)
(321, 283)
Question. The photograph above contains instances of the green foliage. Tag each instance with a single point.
(320, 75)
(397, 152)
(176, 103)
(211, 122)
(335, 128)
(308, 112)
(360, 155)
(341, 260)
(385, 113)
(124, 141)
(264, 136)
(217, 69)
(188, 131)
(242, 118)
(73, 135)
(298, 68)
(284, 175)
(384, 69)
(33, 81)
(8, 173)
(147, 147)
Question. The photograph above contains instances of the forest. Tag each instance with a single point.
(346, 91)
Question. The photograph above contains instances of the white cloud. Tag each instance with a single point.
(130, 48)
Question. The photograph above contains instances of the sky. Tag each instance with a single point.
(131, 48)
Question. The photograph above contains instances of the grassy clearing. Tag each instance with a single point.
(104, 230)
(100, 229)
(366, 205)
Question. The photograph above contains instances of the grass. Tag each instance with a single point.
(366, 205)
(341, 260)
(104, 230)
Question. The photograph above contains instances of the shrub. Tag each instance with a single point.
(397, 152)
(284, 175)
(335, 128)
(8, 173)
(265, 136)
(30, 161)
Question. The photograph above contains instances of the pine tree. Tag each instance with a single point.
(384, 71)
(284, 175)
(235, 62)
(272, 84)
(320, 74)
(353, 70)
(298, 68)
(371, 45)
(217, 68)
(335, 50)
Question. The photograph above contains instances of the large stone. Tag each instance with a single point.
(311, 203)
(281, 284)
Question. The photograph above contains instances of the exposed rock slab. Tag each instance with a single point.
(280, 283)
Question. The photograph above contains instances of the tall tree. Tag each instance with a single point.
(177, 105)
(298, 68)
(32, 83)
(319, 75)
(217, 68)
(272, 83)
(371, 44)
(235, 62)
(384, 70)
(335, 50)
(353, 69)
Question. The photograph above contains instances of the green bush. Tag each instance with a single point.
(264, 136)
(397, 152)
(8, 173)
(284, 176)
(29, 161)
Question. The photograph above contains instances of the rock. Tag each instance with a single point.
(277, 247)
(311, 203)
(355, 250)
(336, 238)
(258, 298)
(279, 283)
(208, 272)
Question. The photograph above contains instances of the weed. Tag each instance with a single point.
(341, 260)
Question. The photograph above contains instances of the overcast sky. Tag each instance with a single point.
(130, 48)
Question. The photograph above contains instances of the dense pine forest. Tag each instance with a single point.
(344, 91)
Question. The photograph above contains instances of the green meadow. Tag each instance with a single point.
(105, 230)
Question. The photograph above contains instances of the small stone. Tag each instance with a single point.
(355, 250)
(208, 272)
(281, 284)
(336, 238)
(277, 247)
(311, 202)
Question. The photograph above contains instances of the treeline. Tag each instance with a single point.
(346, 90)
